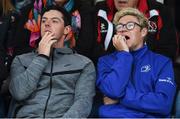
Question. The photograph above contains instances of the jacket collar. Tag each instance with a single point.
(138, 54)
(64, 51)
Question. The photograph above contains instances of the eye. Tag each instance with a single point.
(43, 21)
(130, 25)
(55, 21)
(119, 27)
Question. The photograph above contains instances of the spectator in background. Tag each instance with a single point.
(3, 76)
(22, 34)
(8, 22)
(136, 82)
(53, 82)
(19, 4)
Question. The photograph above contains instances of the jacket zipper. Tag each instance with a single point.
(51, 74)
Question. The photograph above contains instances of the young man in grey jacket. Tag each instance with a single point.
(54, 81)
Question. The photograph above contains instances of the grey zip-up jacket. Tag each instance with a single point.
(61, 86)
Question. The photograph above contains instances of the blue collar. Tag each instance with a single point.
(140, 52)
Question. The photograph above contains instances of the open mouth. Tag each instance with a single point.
(127, 37)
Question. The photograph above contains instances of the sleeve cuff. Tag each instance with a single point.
(45, 56)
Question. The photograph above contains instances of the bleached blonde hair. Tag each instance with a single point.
(143, 21)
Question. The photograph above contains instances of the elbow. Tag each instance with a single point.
(165, 105)
(165, 111)
(16, 94)
(165, 108)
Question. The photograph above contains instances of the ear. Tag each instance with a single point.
(144, 32)
(67, 29)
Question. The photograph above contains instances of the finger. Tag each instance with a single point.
(123, 38)
(51, 42)
(46, 34)
(116, 37)
(44, 40)
(48, 37)
(114, 41)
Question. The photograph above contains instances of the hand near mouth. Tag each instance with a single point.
(119, 42)
(46, 43)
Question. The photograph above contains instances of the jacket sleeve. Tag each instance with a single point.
(84, 93)
(114, 75)
(24, 80)
(158, 101)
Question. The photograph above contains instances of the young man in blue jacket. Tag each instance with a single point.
(135, 81)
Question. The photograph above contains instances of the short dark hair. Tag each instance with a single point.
(66, 14)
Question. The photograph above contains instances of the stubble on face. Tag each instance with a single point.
(53, 22)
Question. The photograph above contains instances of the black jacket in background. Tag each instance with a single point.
(177, 15)
(8, 25)
(167, 44)
(22, 35)
(86, 36)
(3, 68)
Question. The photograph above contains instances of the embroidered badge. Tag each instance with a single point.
(146, 68)
(166, 80)
(103, 28)
(152, 27)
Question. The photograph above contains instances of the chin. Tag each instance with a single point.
(54, 45)
(120, 7)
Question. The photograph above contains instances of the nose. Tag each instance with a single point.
(122, 30)
(47, 23)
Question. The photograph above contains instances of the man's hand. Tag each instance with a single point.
(108, 101)
(119, 43)
(46, 43)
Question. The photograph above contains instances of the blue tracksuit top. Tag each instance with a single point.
(142, 82)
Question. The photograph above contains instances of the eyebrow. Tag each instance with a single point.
(60, 19)
(130, 22)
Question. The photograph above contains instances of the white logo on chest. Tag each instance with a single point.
(146, 68)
